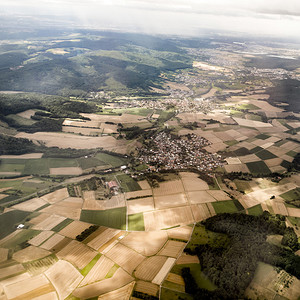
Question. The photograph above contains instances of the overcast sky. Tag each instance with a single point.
(271, 17)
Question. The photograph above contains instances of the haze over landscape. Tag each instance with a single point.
(276, 18)
(149, 150)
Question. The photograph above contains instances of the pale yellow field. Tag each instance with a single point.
(77, 253)
(114, 202)
(29, 288)
(27, 114)
(30, 253)
(64, 277)
(74, 229)
(140, 205)
(99, 271)
(41, 217)
(121, 293)
(40, 238)
(146, 288)
(200, 212)
(82, 130)
(150, 267)
(71, 202)
(182, 233)
(262, 195)
(49, 222)
(211, 209)
(109, 128)
(66, 140)
(216, 147)
(167, 201)
(82, 123)
(144, 185)
(249, 158)
(9, 271)
(119, 279)
(124, 118)
(196, 197)
(14, 279)
(49, 296)
(66, 171)
(23, 156)
(233, 160)
(56, 196)
(172, 248)
(168, 188)
(273, 162)
(146, 243)
(219, 195)
(187, 259)
(52, 242)
(31, 204)
(3, 254)
(191, 182)
(64, 211)
(237, 168)
(159, 278)
(103, 237)
(293, 212)
(167, 218)
(125, 257)
(136, 194)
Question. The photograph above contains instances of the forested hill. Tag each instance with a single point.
(89, 62)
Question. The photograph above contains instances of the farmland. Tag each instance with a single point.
(110, 181)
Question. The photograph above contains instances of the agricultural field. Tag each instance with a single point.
(81, 165)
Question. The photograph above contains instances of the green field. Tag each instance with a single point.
(256, 149)
(248, 106)
(203, 236)
(20, 120)
(136, 222)
(265, 154)
(90, 162)
(243, 186)
(128, 184)
(114, 218)
(114, 161)
(135, 111)
(5, 167)
(224, 207)
(62, 163)
(258, 167)
(22, 237)
(291, 153)
(262, 136)
(9, 220)
(255, 210)
(62, 225)
(291, 195)
(202, 281)
(37, 166)
(90, 265)
(167, 294)
(231, 142)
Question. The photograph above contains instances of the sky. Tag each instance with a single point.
(179, 17)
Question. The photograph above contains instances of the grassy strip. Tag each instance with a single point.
(90, 265)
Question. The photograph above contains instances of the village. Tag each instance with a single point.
(168, 152)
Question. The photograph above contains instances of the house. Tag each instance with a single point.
(112, 185)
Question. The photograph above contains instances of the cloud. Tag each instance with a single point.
(171, 16)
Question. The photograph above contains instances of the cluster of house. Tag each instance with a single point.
(168, 152)
(180, 104)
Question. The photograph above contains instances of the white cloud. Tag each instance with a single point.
(172, 16)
